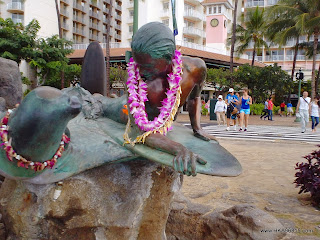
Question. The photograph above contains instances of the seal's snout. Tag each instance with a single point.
(75, 105)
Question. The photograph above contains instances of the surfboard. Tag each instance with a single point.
(220, 162)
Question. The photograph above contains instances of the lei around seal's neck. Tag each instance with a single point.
(137, 96)
(21, 161)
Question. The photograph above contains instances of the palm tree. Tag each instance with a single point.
(233, 38)
(306, 15)
(282, 28)
(252, 31)
(309, 47)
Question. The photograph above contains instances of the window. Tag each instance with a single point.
(219, 9)
(130, 28)
(187, 39)
(214, 10)
(166, 22)
(188, 7)
(82, 4)
(188, 24)
(210, 10)
(165, 5)
(131, 13)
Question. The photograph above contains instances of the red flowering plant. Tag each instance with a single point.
(308, 176)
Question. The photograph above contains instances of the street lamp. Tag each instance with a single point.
(299, 76)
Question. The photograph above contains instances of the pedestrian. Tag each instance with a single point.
(303, 110)
(245, 102)
(220, 110)
(282, 108)
(238, 106)
(270, 109)
(289, 109)
(231, 101)
(207, 106)
(265, 110)
(314, 113)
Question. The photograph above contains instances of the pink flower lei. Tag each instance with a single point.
(21, 161)
(137, 96)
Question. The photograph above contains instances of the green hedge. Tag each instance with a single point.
(257, 108)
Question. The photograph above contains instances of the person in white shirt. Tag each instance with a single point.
(303, 110)
(314, 113)
(220, 110)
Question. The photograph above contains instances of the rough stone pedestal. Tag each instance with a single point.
(126, 201)
(10, 82)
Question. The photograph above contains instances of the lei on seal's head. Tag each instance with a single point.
(137, 96)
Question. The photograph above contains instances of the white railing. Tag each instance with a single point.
(79, 31)
(194, 14)
(78, 18)
(106, 9)
(64, 12)
(17, 20)
(127, 45)
(65, 26)
(118, 16)
(94, 25)
(118, 7)
(193, 31)
(165, 13)
(78, 6)
(117, 26)
(272, 2)
(118, 36)
(198, 46)
(94, 14)
(15, 6)
(130, 4)
(254, 3)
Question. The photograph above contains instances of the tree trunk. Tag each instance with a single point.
(296, 48)
(233, 39)
(60, 36)
(317, 81)
(313, 79)
(108, 49)
(59, 19)
(253, 54)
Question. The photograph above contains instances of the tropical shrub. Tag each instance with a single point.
(308, 176)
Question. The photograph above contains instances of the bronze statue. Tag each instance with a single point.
(34, 129)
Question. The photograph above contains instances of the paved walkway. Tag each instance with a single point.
(283, 128)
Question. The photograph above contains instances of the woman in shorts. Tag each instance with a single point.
(245, 103)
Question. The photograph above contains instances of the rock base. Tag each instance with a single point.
(128, 200)
(195, 221)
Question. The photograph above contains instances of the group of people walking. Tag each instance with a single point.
(307, 108)
(235, 108)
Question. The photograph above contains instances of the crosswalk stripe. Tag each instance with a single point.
(263, 132)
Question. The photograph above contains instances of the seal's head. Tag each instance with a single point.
(37, 125)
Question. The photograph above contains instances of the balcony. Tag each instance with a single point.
(106, 9)
(17, 20)
(272, 2)
(165, 13)
(119, 8)
(254, 4)
(64, 13)
(66, 2)
(194, 15)
(106, 1)
(78, 19)
(78, 7)
(93, 37)
(117, 26)
(118, 17)
(95, 4)
(105, 20)
(117, 36)
(193, 31)
(78, 31)
(274, 58)
(130, 4)
(94, 14)
(15, 7)
(94, 25)
(65, 26)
